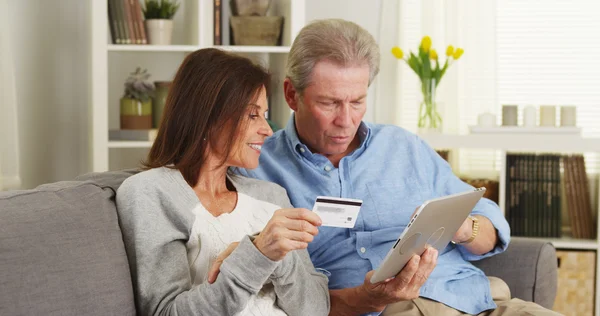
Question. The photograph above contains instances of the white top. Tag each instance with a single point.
(212, 235)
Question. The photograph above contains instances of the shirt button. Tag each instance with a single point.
(301, 149)
(327, 168)
(363, 249)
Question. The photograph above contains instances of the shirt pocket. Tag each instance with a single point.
(393, 201)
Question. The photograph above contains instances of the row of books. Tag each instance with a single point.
(533, 195)
(126, 22)
(536, 193)
(577, 191)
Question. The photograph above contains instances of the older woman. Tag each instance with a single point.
(186, 209)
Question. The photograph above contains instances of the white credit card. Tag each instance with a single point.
(337, 212)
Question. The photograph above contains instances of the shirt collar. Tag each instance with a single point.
(364, 133)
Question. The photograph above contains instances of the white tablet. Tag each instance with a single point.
(434, 224)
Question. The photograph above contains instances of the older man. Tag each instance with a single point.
(326, 149)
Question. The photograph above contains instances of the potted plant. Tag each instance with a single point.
(159, 20)
(426, 64)
(136, 105)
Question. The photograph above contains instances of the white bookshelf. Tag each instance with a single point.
(546, 143)
(193, 30)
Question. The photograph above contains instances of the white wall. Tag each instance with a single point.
(51, 53)
(367, 15)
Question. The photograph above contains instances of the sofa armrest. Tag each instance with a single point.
(529, 267)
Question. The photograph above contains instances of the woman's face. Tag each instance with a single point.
(247, 147)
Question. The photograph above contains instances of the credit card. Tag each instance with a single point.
(337, 212)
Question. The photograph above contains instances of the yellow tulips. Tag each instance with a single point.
(433, 54)
(426, 62)
(427, 65)
(458, 53)
(398, 53)
(426, 43)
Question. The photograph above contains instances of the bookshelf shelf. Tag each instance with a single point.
(152, 48)
(255, 49)
(567, 243)
(128, 144)
(191, 48)
(515, 142)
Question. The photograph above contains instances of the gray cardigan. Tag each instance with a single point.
(154, 213)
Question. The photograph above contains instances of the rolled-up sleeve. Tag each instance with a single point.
(445, 182)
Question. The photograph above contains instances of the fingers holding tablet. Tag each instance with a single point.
(407, 283)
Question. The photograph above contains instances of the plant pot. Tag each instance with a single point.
(159, 31)
(135, 114)
(256, 30)
(159, 100)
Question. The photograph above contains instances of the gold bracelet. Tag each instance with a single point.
(475, 230)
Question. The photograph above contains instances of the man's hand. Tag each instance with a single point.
(289, 229)
(405, 286)
(464, 232)
(216, 266)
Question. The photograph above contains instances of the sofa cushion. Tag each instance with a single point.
(61, 250)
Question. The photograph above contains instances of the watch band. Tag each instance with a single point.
(475, 230)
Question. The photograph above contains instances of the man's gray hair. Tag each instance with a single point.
(337, 40)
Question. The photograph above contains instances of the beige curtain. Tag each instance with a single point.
(9, 140)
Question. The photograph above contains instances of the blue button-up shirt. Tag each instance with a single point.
(393, 172)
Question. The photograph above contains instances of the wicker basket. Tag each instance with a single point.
(256, 30)
(576, 278)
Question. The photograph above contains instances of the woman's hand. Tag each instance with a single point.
(216, 266)
(289, 229)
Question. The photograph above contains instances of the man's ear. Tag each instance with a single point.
(291, 95)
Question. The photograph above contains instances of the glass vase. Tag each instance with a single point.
(430, 120)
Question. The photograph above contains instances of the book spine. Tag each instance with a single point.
(217, 40)
(557, 196)
(125, 39)
(129, 19)
(112, 22)
(140, 21)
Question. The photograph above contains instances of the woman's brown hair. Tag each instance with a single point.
(208, 100)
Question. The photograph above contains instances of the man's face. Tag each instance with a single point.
(329, 111)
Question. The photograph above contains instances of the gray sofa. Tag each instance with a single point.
(61, 253)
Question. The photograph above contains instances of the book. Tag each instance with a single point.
(140, 20)
(112, 22)
(148, 135)
(129, 22)
(122, 22)
(217, 40)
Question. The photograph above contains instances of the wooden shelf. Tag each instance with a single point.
(515, 142)
(191, 48)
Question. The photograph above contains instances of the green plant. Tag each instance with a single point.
(138, 87)
(160, 9)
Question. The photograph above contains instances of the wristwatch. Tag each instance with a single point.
(474, 232)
